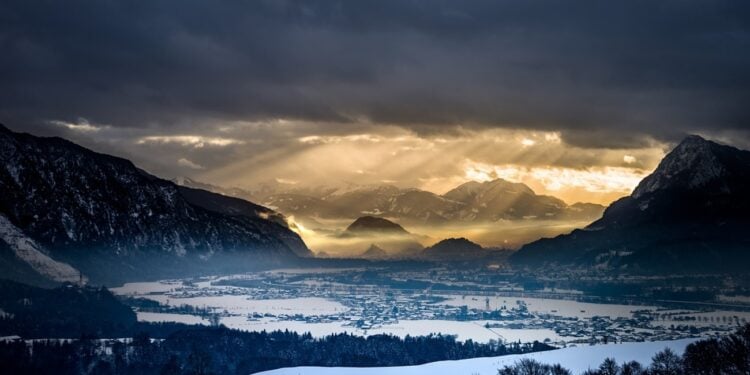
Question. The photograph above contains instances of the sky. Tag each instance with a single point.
(578, 99)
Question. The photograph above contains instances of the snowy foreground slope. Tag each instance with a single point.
(577, 359)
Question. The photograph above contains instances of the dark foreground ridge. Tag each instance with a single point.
(223, 351)
(101, 216)
(690, 215)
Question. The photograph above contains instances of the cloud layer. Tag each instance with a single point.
(312, 90)
(623, 69)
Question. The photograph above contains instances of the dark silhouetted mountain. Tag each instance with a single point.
(383, 234)
(691, 214)
(239, 207)
(374, 225)
(455, 249)
(65, 208)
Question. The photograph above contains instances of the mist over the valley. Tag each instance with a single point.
(494, 214)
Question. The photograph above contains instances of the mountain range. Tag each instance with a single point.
(68, 213)
(472, 201)
(691, 214)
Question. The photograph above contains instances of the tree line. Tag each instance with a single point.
(729, 355)
(219, 350)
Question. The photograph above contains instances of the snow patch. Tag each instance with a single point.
(168, 317)
(30, 252)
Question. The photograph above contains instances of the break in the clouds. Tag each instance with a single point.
(182, 162)
(314, 90)
(438, 163)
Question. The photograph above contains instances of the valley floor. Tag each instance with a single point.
(368, 302)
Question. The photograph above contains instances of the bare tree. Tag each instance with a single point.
(528, 366)
(609, 367)
(666, 362)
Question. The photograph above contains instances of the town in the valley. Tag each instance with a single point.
(431, 301)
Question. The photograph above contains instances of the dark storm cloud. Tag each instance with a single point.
(628, 70)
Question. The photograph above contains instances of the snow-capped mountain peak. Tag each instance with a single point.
(690, 215)
(693, 164)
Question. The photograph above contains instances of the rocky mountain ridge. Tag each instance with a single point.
(105, 217)
(690, 215)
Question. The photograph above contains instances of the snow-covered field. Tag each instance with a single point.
(323, 315)
(242, 305)
(557, 307)
(168, 317)
(147, 287)
(576, 359)
(739, 299)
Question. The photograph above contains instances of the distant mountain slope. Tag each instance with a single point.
(500, 199)
(470, 202)
(113, 221)
(424, 206)
(380, 200)
(691, 214)
(304, 205)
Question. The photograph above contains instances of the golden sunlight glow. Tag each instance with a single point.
(440, 163)
(298, 227)
(315, 139)
(82, 126)
(527, 142)
(195, 141)
(553, 180)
